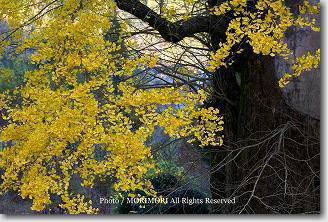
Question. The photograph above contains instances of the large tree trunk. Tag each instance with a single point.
(270, 158)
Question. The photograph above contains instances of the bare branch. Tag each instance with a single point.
(173, 31)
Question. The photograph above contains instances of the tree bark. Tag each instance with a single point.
(270, 159)
(270, 149)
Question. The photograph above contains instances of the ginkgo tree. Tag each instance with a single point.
(83, 95)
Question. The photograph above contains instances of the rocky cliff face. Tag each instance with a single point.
(303, 93)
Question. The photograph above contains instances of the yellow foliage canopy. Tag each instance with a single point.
(62, 119)
(264, 29)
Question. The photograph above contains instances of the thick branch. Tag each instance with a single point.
(173, 32)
